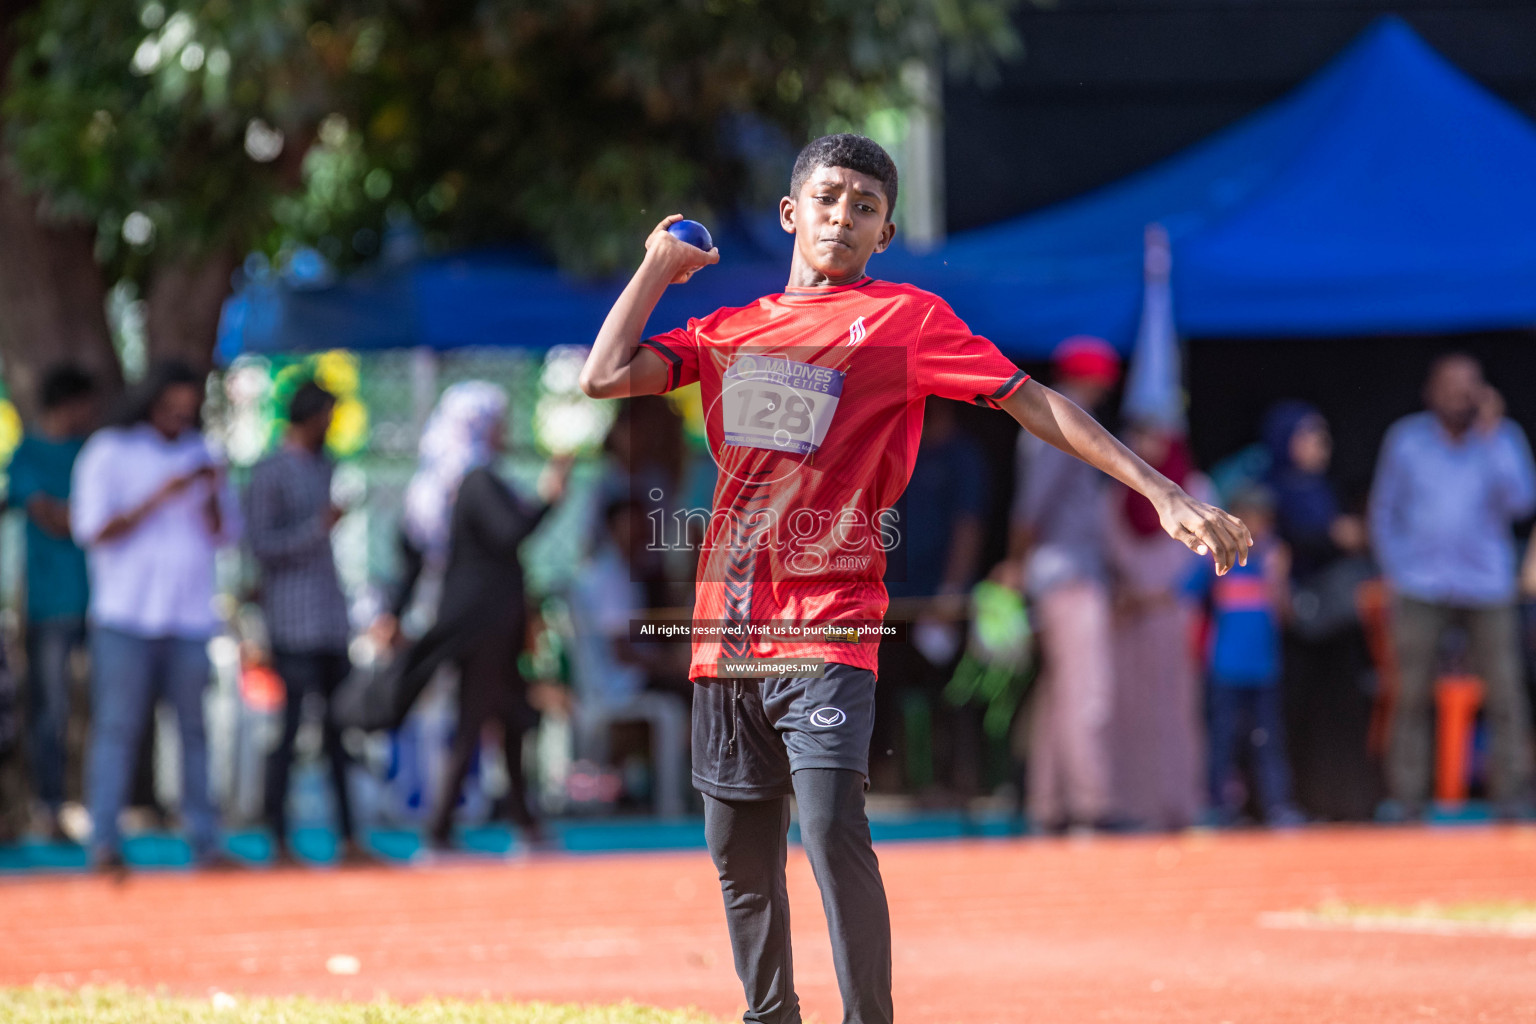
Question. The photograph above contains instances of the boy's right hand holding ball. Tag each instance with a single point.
(682, 259)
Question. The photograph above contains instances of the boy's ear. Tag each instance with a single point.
(787, 214)
(887, 233)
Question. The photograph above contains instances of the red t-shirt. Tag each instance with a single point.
(813, 407)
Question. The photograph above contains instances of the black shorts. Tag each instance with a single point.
(751, 735)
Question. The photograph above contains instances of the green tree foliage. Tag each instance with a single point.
(571, 123)
(149, 120)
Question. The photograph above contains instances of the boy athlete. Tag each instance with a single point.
(813, 402)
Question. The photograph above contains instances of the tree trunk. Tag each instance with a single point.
(52, 299)
(185, 297)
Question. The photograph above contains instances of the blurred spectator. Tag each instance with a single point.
(56, 584)
(289, 517)
(1449, 484)
(1306, 512)
(1247, 607)
(464, 523)
(1058, 541)
(647, 459)
(1156, 729)
(643, 455)
(1327, 710)
(151, 506)
(612, 675)
(11, 727)
(939, 555)
(1528, 615)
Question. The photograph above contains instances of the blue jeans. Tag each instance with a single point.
(1249, 716)
(49, 645)
(129, 674)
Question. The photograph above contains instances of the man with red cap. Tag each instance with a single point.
(1058, 544)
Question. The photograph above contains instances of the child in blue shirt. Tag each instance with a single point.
(1243, 662)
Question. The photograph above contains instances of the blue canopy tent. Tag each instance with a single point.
(487, 298)
(1388, 193)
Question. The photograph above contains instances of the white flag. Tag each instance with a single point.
(1154, 387)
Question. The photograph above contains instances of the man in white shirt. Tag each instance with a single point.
(151, 507)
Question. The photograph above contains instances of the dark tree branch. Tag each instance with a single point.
(184, 298)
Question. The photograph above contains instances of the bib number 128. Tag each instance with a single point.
(794, 411)
(778, 404)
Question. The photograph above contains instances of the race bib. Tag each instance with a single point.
(778, 404)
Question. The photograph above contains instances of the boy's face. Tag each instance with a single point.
(75, 418)
(839, 219)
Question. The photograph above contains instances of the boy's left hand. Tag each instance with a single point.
(1204, 529)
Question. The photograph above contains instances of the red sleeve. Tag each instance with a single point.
(679, 349)
(954, 363)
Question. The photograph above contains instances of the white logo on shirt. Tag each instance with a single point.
(856, 331)
(828, 717)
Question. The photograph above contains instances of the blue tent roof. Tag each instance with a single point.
(1388, 193)
(489, 298)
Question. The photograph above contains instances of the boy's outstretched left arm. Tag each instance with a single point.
(1204, 529)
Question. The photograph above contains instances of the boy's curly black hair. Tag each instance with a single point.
(854, 152)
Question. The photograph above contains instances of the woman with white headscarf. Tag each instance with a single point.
(463, 521)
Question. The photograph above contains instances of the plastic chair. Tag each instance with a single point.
(1458, 698)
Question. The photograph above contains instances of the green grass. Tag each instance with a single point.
(121, 1006)
(1501, 913)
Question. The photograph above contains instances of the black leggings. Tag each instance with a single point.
(302, 673)
(490, 690)
(749, 842)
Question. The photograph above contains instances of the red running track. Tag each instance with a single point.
(1138, 929)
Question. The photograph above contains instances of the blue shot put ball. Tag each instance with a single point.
(692, 232)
